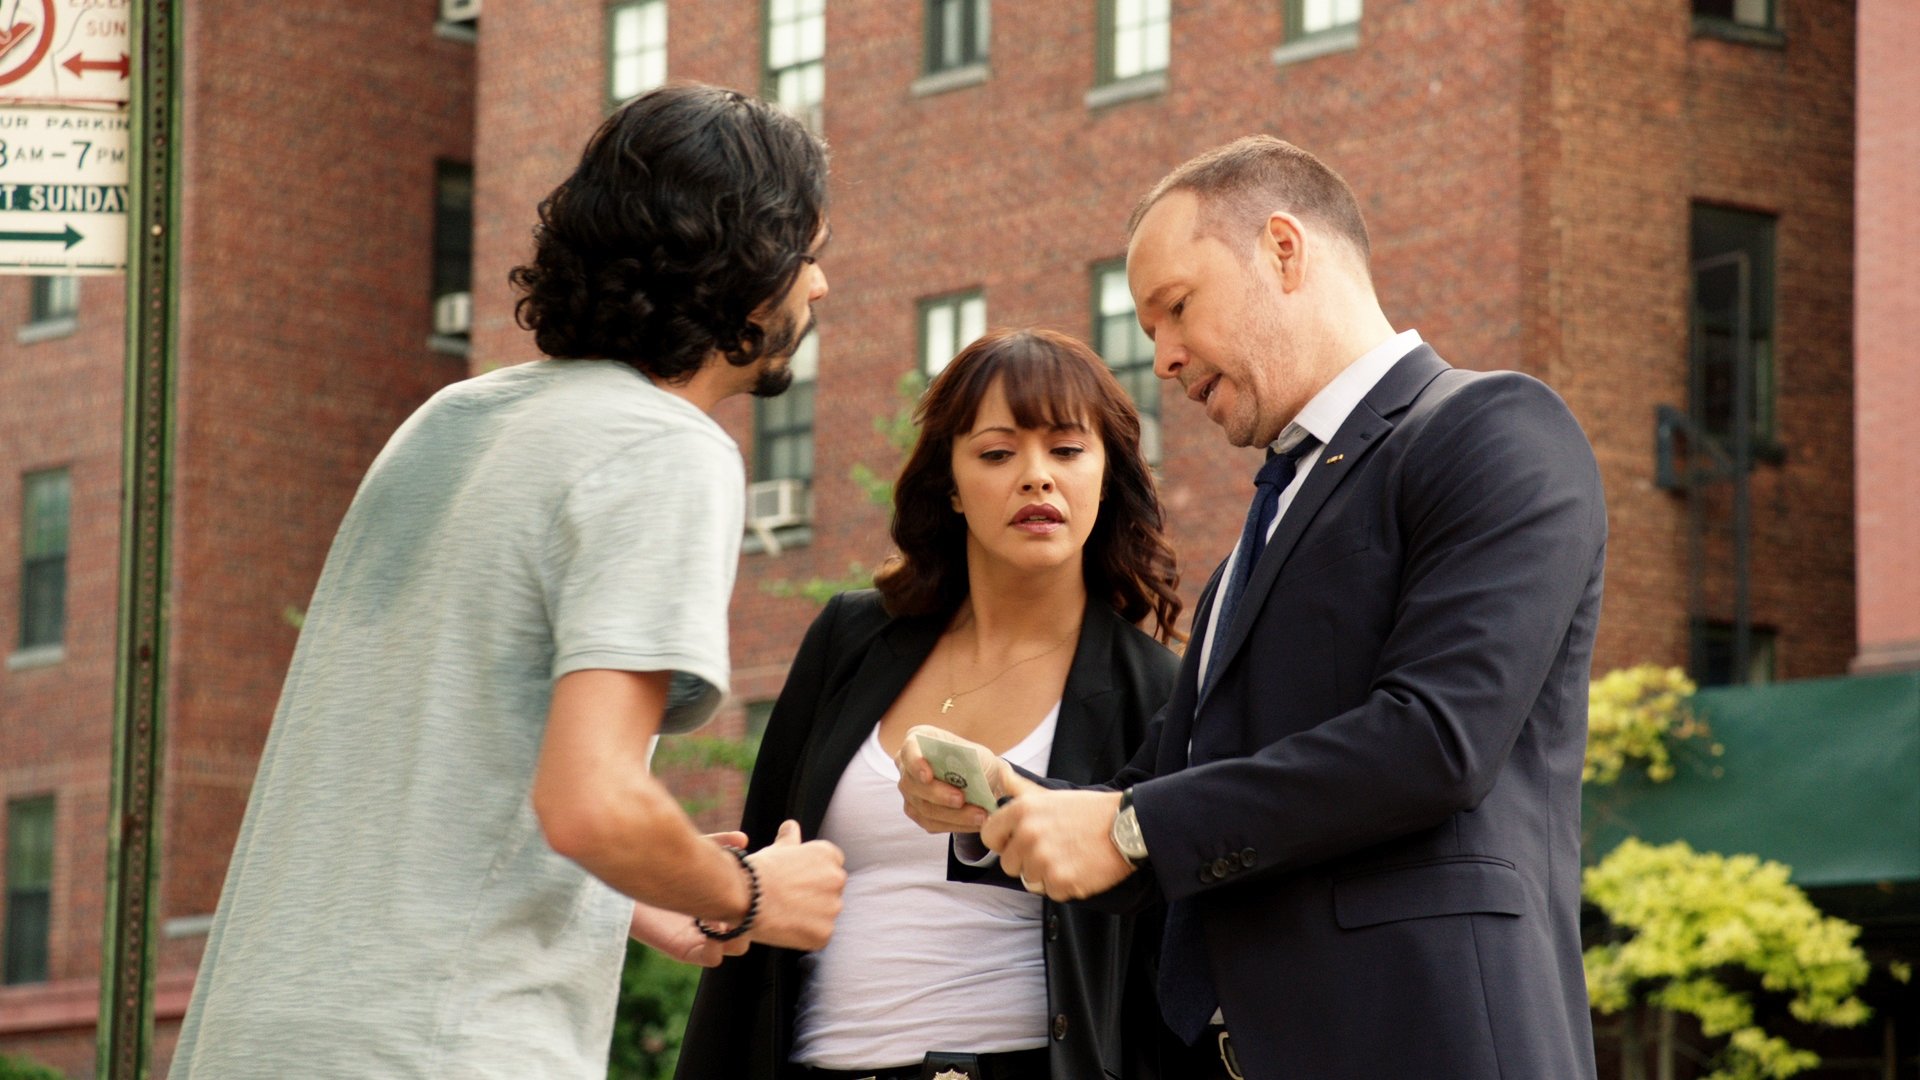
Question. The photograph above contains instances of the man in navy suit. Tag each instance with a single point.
(1362, 804)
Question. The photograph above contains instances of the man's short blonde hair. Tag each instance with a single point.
(1240, 184)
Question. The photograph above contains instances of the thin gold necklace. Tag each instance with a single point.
(948, 703)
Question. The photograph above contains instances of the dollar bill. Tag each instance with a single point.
(958, 764)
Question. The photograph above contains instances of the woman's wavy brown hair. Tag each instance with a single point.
(1048, 378)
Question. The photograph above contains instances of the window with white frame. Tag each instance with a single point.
(29, 890)
(796, 67)
(957, 34)
(783, 425)
(1754, 14)
(54, 299)
(43, 558)
(947, 325)
(636, 48)
(1135, 38)
(452, 250)
(1306, 18)
(1127, 350)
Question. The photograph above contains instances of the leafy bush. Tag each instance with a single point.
(1640, 714)
(13, 1068)
(1683, 924)
(656, 993)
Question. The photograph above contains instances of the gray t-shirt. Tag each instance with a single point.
(392, 908)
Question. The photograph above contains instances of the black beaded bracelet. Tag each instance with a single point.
(753, 902)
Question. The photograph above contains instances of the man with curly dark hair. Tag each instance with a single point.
(453, 826)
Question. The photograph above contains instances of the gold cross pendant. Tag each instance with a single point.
(945, 705)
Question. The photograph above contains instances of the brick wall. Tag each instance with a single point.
(1527, 170)
(60, 404)
(1527, 173)
(1886, 323)
(1641, 119)
(311, 137)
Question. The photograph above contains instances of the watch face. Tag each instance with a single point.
(1127, 837)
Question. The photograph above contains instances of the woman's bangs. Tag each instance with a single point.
(1047, 389)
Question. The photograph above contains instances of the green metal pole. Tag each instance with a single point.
(133, 823)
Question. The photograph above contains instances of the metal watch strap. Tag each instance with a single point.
(1125, 833)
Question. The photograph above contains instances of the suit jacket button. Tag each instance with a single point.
(1053, 928)
(1246, 858)
(1060, 1027)
(1206, 874)
(1221, 868)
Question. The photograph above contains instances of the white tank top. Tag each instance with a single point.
(916, 962)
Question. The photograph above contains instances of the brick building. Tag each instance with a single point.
(1886, 320)
(1550, 187)
(1539, 181)
(318, 141)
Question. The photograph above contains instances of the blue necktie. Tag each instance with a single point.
(1268, 483)
(1187, 997)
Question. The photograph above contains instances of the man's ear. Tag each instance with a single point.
(1283, 247)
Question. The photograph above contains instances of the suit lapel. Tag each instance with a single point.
(1364, 428)
(1082, 731)
(1184, 702)
(850, 716)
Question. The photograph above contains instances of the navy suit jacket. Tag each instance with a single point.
(1379, 820)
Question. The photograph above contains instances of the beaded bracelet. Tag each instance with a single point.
(753, 902)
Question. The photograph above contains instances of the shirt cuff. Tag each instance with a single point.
(969, 850)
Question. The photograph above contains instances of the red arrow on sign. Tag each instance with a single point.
(80, 67)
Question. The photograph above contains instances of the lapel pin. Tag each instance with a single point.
(1334, 458)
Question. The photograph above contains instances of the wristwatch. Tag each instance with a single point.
(1126, 834)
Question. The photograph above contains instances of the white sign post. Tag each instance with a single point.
(63, 136)
(63, 191)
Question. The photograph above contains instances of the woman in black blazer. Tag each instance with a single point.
(1026, 519)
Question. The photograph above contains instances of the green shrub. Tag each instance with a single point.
(13, 1068)
(656, 993)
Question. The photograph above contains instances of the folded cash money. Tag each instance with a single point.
(957, 764)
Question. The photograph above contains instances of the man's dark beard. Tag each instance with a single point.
(782, 341)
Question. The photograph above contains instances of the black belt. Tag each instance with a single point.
(939, 1065)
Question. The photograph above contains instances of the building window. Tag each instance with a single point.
(947, 325)
(55, 299)
(43, 559)
(637, 48)
(1134, 36)
(1732, 324)
(1713, 662)
(796, 57)
(1127, 350)
(1305, 18)
(29, 888)
(957, 34)
(452, 250)
(459, 20)
(1754, 14)
(783, 425)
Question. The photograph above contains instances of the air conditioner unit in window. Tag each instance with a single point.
(775, 504)
(453, 314)
(459, 11)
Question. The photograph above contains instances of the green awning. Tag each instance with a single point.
(1823, 775)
